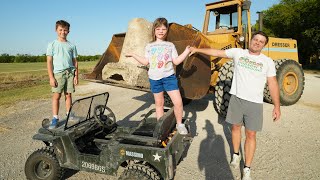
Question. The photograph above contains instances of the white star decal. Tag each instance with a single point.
(156, 157)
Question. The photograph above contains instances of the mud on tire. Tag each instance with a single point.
(140, 172)
(43, 164)
(222, 88)
(290, 78)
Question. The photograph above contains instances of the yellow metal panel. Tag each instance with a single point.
(239, 20)
(206, 22)
(219, 39)
(280, 48)
(221, 4)
(249, 25)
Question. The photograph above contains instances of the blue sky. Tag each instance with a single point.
(28, 26)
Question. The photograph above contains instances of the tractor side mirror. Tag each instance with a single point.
(215, 13)
(246, 5)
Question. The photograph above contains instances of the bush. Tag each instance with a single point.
(21, 58)
(24, 58)
(6, 58)
(88, 58)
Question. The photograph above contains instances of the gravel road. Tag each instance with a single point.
(288, 149)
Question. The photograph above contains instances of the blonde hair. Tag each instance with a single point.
(157, 23)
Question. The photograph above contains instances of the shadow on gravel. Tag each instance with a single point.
(147, 98)
(68, 173)
(227, 132)
(212, 157)
(190, 112)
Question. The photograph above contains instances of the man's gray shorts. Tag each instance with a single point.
(245, 112)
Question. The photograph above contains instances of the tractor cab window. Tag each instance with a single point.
(223, 20)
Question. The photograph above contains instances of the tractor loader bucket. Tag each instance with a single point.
(112, 54)
(114, 68)
(195, 72)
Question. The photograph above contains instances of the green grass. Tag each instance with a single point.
(14, 95)
(39, 66)
(28, 81)
(22, 67)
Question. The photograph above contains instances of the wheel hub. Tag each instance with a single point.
(42, 170)
(290, 83)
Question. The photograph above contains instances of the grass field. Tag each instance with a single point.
(27, 81)
(41, 66)
(22, 67)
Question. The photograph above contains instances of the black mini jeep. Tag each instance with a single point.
(93, 141)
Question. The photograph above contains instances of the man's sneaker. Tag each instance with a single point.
(54, 123)
(246, 174)
(182, 129)
(235, 161)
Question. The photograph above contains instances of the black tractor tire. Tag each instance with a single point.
(139, 172)
(222, 88)
(266, 92)
(290, 78)
(43, 165)
(168, 102)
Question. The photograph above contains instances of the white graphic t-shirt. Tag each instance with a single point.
(160, 55)
(250, 74)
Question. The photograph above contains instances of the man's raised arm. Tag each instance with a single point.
(208, 51)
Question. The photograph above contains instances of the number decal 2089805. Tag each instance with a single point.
(93, 166)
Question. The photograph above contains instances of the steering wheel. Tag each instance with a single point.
(104, 116)
(224, 27)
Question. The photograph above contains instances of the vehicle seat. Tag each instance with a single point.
(157, 129)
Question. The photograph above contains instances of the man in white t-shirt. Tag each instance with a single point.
(252, 70)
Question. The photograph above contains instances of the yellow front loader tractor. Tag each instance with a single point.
(226, 25)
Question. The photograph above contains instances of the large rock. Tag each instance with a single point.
(139, 34)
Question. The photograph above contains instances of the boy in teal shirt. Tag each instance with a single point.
(62, 69)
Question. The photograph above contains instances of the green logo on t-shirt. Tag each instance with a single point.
(249, 64)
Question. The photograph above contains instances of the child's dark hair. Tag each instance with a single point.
(63, 24)
(157, 23)
(262, 34)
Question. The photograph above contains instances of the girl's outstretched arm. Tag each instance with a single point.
(140, 59)
(182, 56)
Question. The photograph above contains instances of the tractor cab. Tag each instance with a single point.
(228, 22)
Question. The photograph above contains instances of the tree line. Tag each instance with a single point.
(300, 20)
(24, 58)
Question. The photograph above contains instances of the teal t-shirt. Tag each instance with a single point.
(63, 54)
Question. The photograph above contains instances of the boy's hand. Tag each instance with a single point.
(193, 50)
(75, 80)
(53, 82)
